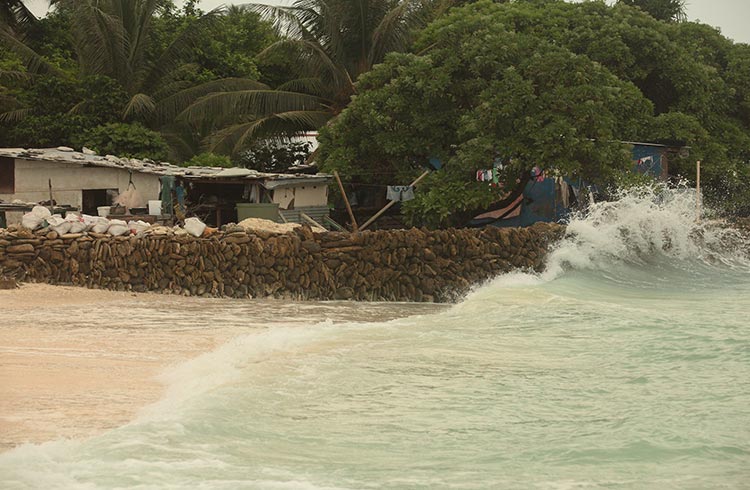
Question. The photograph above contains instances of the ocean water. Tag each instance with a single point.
(625, 365)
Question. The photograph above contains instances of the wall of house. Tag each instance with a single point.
(68, 179)
(304, 196)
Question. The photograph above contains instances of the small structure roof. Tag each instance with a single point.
(89, 159)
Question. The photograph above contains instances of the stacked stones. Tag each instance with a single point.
(393, 265)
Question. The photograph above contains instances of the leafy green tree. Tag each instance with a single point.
(482, 92)
(126, 140)
(695, 79)
(664, 10)
(209, 160)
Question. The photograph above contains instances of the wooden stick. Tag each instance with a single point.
(698, 190)
(346, 201)
(51, 204)
(334, 224)
(310, 220)
(390, 204)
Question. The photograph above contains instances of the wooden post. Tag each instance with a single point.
(346, 201)
(51, 204)
(390, 204)
(698, 191)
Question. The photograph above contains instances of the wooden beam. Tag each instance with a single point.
(390, 204)
(310, 220)
(346, 201)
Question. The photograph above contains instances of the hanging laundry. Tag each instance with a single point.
(563, 190)
(400, 193)
(488, 175)
(645, 160)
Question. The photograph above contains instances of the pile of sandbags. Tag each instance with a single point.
(41, 218)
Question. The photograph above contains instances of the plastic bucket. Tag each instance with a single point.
(154, 207)
(103, 211)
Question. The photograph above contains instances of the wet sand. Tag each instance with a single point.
(75, 362)
(63, 375)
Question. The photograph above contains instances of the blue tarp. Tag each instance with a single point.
(542, 204)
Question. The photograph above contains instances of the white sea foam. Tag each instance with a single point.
(642, 225)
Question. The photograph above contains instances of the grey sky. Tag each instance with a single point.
(731, 16)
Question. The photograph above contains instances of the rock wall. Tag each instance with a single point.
(394, 265)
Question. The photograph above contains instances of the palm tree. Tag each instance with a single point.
(15, 16)
(334, 42)
(111, 37)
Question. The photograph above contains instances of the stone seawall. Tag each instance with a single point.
(395, 265)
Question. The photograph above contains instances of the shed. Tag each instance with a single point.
(86, 181)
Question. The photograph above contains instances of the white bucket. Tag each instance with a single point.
(154, 207)
(103, 211)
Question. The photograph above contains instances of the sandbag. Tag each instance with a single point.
(76, 223)
(194, 226)
(58, 224)
(138, 227)
(100, 225)
(88, 221)
(118, 227)
(35, 218)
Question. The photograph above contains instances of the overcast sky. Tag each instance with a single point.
(731, 16)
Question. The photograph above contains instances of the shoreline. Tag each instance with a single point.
(77, 362)
(62, 378)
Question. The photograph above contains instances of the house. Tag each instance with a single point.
(86, 181)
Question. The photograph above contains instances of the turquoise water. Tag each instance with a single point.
(625, 365)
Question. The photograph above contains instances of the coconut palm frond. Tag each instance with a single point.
(15, 16)
(312, 86)
(183, 142)
(79, 107)
(35, 64)
(316, 61)
(174, 55)
(99, 39)
(15, 116)
(396, 29)
(286, 20)
(260, 103)
(171, 106)
(14, 76)
(236, 138)
(140, 106)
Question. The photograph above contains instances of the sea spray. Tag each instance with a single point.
(643, 225)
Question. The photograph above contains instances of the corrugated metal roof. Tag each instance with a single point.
(147, 166)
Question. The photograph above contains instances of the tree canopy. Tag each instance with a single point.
(544, 83)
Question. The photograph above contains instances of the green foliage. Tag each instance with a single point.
(546, 83)
(664, 10)
(209, 160)
(60, 110)
(47, 130)
(481, 92)
(126, 140)
(275, 157)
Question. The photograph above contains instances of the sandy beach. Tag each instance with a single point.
(75, 362)
(61, 376)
